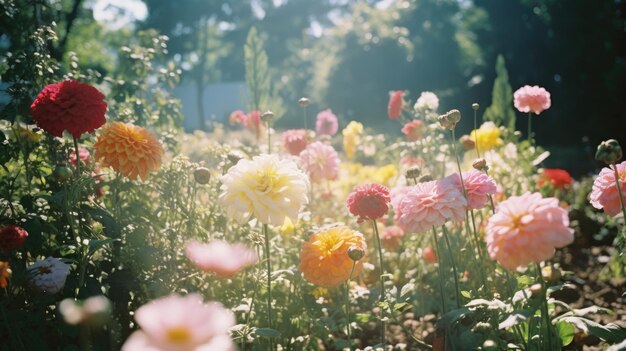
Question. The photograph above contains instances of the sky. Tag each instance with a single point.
(115, 14)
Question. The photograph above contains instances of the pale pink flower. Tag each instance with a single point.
(320, 161)
(83, 154)
(527, 229)
(253, 123)
(326, 123)
(478, 186)
(413, 130)
(392, 237)
(220, 257)
(182, 323)
(604, 194)
(294, 141)
(238, 117)
(396, 194)
(531, 99)
(429, 204)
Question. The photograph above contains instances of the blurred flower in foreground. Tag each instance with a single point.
(369, 201)
(130, 150)
(48, 276)
(5, 274)
(69, 105)
(413, 130)
(558, 178)
(486, 137)
(394, 108)
(604, 193)
(294, 141)
(326, 123)
(352, 138)
(478, 186)
(324, 259)
(177, 323)
(94, 311)
(429, 255)
(320, 161)
(266, 188)
(427, 102)
(527, 229)
(12, 237)
(220, 257)
(531, 99)
(428, 204)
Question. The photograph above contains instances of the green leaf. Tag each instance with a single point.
(267, 332)
(525, 280)
(95, 245)
(566, 332)
(610, 332)
(466, 294)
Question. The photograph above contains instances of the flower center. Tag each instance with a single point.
(178, 335)
(266, 180)
(44, 270)
(517, 220)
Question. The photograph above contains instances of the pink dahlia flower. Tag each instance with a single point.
(320, 161)
(395, 104)
(429, 204)
(392, 237)
(238, 117)
(295, 140)
(220, 257)
(413, 130)
(531, 99)
(369, 201)
(326, 123)
(83, 154)
(527, 229)
(478, 186)
(604, 194)
(182, 323)
(396, 194)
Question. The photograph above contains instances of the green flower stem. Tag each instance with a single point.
(544, 307)
(619, 190)
(269, 142)
(452, 260)
(441, 290)
(349, 329)
(77, 157)
(475, 136)
(382, 280)
(478, 248)
(530, 138)
(269, 279)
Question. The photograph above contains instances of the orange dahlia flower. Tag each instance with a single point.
(130, 150)
(324, 259)
(5, 273)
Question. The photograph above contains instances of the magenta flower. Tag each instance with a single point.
(221, 258)
(604, 194)
(531, 99)
(326, 123)
(527, 229)
(182, 323)
(429, 204)
(294, 141)
(320, 161)
(478, 186)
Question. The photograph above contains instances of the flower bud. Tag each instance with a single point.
(304, 102)
(489, 345)
(444, 122)
(233, 157)
(475, 106)
(413, 172)
(356, 253)
(267, 116)
(609, 151)
(454, 116)
(536, 290)
(551, 274)
(425, 178)
(62, 173)
(480, 164)
(467, 142)
(202, 175)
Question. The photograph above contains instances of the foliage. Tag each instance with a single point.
(500, 111)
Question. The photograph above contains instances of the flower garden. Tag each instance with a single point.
(118, 230)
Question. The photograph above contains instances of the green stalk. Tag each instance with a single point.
(77, 157)
(544, 307)
(456, 274)
(349, 329)
(443, 300)
(530, 138)
(382, 280)
(269, 280)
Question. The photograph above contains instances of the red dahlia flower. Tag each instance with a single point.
(559, 178)
(395, 104)
(69, 105)
(369, 201)
(12, 237)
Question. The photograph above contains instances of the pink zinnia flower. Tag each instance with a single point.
(392, 236)
(177, 323)
(527, 229)
(604, 194)
(395, 104)
(294, 141)
(83, 154)
(220, 257)
(369, 201)
(326, 123)
(429, 204)
(238, 117)
(531, 99)
(413, 130)
(478, 186)
(320, 161)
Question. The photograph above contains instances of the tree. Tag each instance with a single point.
(501, 111)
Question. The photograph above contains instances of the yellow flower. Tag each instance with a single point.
(288, 228)
(351, 138)
(324, 259)
(320, 292)
(130, 150)
(385, 174)
(266, 188)
(487, 136)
